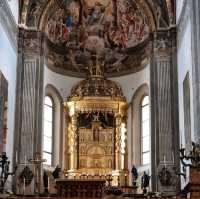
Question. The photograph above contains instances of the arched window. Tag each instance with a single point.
(48, 130)
(145, 133)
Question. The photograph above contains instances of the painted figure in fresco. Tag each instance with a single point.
(96, 26)
(69, 20)
(96, 14)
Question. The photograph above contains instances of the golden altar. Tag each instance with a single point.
(96, 127)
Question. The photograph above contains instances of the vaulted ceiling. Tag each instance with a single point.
(117, 30)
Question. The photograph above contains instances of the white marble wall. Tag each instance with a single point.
(14, 6)
(179, 7)
(62, 83)
(184, 61)
(184, 66)
(8, 67)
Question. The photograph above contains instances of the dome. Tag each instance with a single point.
(96, 85)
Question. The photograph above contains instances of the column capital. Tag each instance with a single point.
(164, 42)
(30, 42)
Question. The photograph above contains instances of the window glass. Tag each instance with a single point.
(47, 156)
(47, 147)
(145, 131)
(146, 158)
(48, 130)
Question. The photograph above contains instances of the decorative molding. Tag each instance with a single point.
(30, 41)
(8, 22)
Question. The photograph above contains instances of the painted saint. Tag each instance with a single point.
(97, 26)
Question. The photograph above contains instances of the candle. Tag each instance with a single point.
(25, 160)
(164, 161)
(125, 179)
(24, 185)
(172, 157)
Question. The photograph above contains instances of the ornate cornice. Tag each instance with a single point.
(164, 42)
(8, 22)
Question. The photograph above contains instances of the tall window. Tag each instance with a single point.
(145, 134)
(48, 130)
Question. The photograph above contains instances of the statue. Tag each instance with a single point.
(4, 165)
(165, 177)
(56, 172)
(193, 156)
(134, 176)
(144, 182)
(26, 177)
(95, 69)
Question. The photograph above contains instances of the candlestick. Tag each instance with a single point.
(181, 139)
(16, 157)
(48, 183)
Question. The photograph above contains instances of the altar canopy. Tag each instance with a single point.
(96, 133)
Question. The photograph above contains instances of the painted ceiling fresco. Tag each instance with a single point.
(112, 29)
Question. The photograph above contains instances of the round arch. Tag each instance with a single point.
(139, 94)
(58, 115)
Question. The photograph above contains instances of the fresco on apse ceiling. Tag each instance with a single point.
(110, 28)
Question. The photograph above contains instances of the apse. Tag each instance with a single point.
(118, 31)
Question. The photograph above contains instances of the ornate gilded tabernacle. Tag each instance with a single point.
(96, 133)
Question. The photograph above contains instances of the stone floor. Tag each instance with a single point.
(105, 197)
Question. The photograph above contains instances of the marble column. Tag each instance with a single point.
(29, 96)
(164, 111)
(195, 16)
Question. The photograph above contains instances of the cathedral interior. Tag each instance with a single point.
(100, 98)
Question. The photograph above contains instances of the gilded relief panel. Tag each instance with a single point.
(96, 143)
